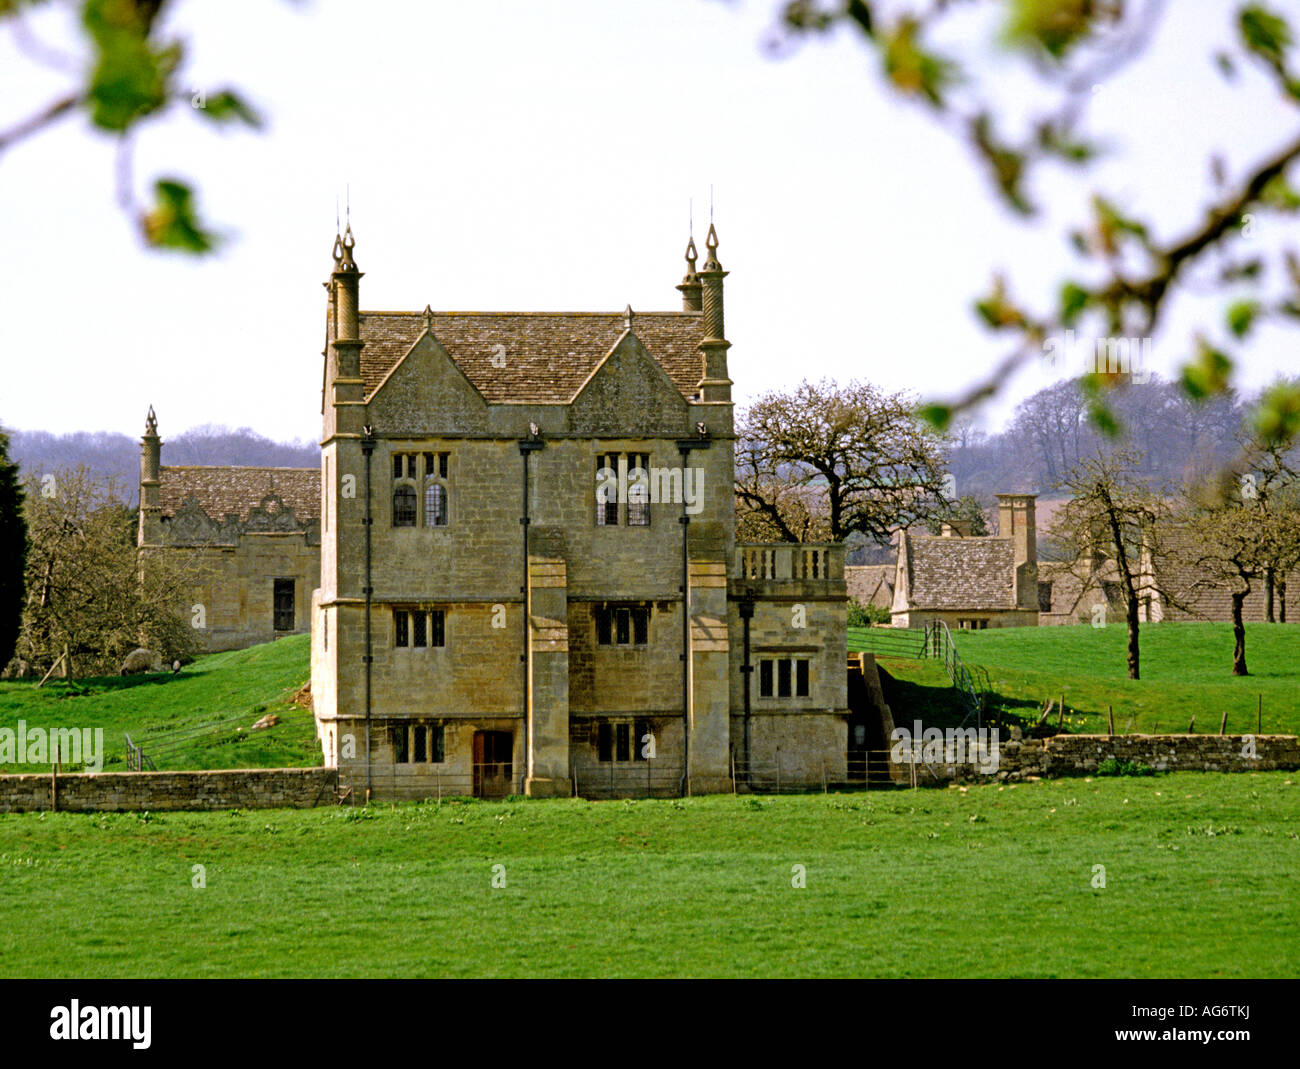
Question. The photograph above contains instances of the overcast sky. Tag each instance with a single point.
(529, 155)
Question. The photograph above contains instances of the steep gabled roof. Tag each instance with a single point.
(220, 491)
(548, 356)
(870, 584)
(961, 573)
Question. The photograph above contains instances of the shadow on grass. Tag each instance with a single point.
(944, 707)
(92, 685)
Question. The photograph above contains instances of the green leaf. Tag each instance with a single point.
(130, 76)
(172, 223)
(226, 106)
(1102, 418)
(1055, 26)
(911, 68)
(1241, 316)
(938, 416)
(1265, 34)
(1074, 299)
(1279, 194)
(1226, 67)
(1208, 373)
(1277, 419)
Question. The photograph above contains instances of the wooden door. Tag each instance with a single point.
(493, 763)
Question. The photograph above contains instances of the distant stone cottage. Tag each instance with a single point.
(971, 582)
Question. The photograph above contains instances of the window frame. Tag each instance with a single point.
(433, 741)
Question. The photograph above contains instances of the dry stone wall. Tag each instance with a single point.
(262, 788)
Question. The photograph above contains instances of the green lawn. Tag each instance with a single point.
(1202, 878)
(230, 690)
(1186, 672)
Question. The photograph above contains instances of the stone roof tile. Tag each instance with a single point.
(220, 491)
(548, 355)
(962, 573)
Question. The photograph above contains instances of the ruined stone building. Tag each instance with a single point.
(250, 535)
(529, 579)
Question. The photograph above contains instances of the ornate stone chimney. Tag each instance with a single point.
(1016, 521)
(150, 530)
(714, 384)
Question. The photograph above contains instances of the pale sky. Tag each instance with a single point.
(528, 155)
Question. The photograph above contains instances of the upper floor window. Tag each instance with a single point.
(783, 677)
(435, 504)
(607, 490)
(638, 490)
(618, 625)
(403, 506)
(420, 486)
(419, 628)
(622, 489)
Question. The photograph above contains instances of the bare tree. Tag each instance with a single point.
(822, 462)
(89, 601)
(1112, 516)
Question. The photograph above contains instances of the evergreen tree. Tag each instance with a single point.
(13, 552)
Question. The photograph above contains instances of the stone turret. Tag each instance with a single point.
(714, 384)
(150, 530)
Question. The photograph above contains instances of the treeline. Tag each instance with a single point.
(107, 454)
(1178, 439)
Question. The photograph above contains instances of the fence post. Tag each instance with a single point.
(778, 772)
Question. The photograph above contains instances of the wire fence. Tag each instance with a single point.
(489, 780)
(641, 779)
(156, 748)
(932, 642)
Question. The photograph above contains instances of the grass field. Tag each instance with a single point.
(1202, 878)
(1186, 672)
(227, 690)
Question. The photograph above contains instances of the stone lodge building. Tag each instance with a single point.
(529, 580)
(971, 582)
(251, 536)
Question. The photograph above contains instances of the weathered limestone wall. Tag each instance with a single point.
(1077, 755)
(792, 749)
(1008, 618)
(261, 788)
(234, 586)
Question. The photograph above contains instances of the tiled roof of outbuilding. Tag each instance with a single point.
(223, 490)
(961, 573)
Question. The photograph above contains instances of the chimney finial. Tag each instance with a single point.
(151, 423)
(711, 244)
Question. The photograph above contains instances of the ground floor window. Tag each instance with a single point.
(972, 624)
(417, 743)
(621, 740)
